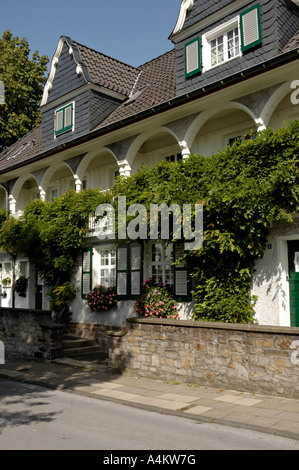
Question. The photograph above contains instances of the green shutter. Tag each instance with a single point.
(86, 271)
(122, 270)
(135, 269)
(182, 281)
(129, 262)
(193, 57)
(251, 30)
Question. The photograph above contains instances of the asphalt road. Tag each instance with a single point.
(36, 418)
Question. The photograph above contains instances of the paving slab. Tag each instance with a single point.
(239, 408)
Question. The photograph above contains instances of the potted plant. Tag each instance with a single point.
(20, 285)
(6, 281)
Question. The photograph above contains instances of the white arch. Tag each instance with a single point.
(87, 159)
(141, 138)
(274, 101)
(50, 172)
(15, 192)
(204, 116)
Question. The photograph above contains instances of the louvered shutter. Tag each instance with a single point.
(59, 121)
(122, 269)
(68, 117)
(86, 271)
(129, 262)
(136, 269)
(193, 57)
(251, 31)
(182, 282)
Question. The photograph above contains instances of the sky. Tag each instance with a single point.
(133, 31)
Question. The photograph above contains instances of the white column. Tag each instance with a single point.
(78, 184)
(260, 125)
(124, 168)
(12, 204)
(42, 194)
(185, 151)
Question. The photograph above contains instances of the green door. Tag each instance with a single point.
(293, 249)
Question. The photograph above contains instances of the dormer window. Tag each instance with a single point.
(64, 119)
(224, 43)
(221, 45)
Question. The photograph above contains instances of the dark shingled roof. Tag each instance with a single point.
(146, 87)
(292, 44)
(25, 148)
(155, 85)
(108, 72)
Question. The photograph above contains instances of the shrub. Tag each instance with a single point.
(101, 298)
(156, 302)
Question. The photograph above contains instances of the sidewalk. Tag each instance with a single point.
(262, 413)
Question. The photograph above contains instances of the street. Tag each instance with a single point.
(36, 418)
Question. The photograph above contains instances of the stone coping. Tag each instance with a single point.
(284, 330)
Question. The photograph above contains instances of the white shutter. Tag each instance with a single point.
(59, 120)
(251, 28)
(193, 57)
(68, 114)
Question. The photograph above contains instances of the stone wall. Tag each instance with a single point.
(30, 334)
(254, 358)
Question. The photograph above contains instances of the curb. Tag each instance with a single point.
(19, 377)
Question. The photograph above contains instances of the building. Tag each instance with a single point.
(233, 68)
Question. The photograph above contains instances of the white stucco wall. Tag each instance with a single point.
(270, 281)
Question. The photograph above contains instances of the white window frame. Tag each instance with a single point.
(58, 132)
(52, 195)
(207, 38)
(162, 263)
(110, 266)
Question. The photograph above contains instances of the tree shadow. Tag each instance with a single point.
(21, 404)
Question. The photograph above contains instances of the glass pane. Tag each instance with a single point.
(157, 252)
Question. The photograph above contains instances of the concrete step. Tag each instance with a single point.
(83, 349)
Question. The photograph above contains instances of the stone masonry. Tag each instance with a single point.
(253, 358)
(30, 334)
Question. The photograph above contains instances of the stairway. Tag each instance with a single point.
(83, 353)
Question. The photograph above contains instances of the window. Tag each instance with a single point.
(173, 276)
(174, 158)
(161, 264)
(107, 268)
(54, 194)
(231, 39)
(64, 119)
(221, 44)
(98, 267)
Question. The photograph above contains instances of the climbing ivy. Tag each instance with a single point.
(243, 189)
(51, 235)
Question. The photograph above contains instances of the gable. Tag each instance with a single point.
(67, 72)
